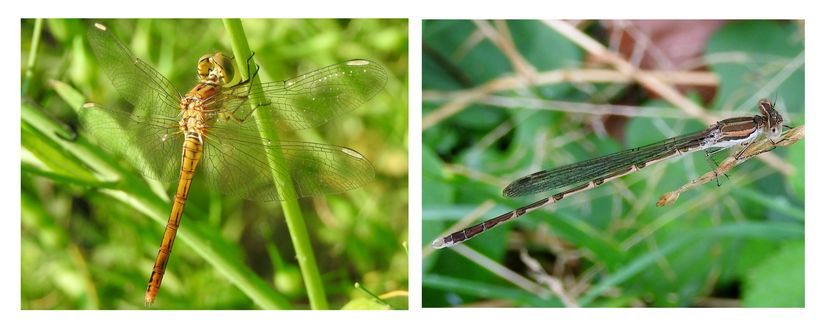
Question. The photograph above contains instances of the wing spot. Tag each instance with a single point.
(358, 63)
(352, 153)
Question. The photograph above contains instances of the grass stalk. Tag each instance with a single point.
(292, 210)
(38, 29)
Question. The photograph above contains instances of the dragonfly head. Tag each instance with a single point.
(773, 120)
(215, 68)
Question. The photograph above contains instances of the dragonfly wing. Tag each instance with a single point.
(135, 80)
(152, 144)
(237, 164)
(313, 98)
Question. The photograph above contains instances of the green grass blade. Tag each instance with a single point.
(292, 210)
(769, 231)
(487, 290)
(35, 45)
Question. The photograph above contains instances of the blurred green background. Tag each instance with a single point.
(737, 244)
(88, 244)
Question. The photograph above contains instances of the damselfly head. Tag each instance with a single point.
(215, 68)
(773, 120)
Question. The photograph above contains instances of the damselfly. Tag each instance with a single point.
(589, 174)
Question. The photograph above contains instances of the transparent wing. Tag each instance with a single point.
(235, 158)
(592, 169)
(152, 144)
(136, 81)
(235, 163)
(310, 99)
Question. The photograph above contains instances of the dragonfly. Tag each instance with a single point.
(592, 173)
(169, 135)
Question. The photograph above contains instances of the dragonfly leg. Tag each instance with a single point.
(242, 119)
(249, 74)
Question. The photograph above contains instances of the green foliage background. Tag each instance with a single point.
(741, 243)
(89, 244)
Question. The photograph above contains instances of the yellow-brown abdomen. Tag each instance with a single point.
(192, 153)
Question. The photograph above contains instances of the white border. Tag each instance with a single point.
(418, 319)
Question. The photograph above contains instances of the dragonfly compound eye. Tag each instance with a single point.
(221, 65)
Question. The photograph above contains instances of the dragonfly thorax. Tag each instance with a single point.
(198, 104)
(194, 116)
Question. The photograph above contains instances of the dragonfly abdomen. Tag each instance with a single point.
(192, 153)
